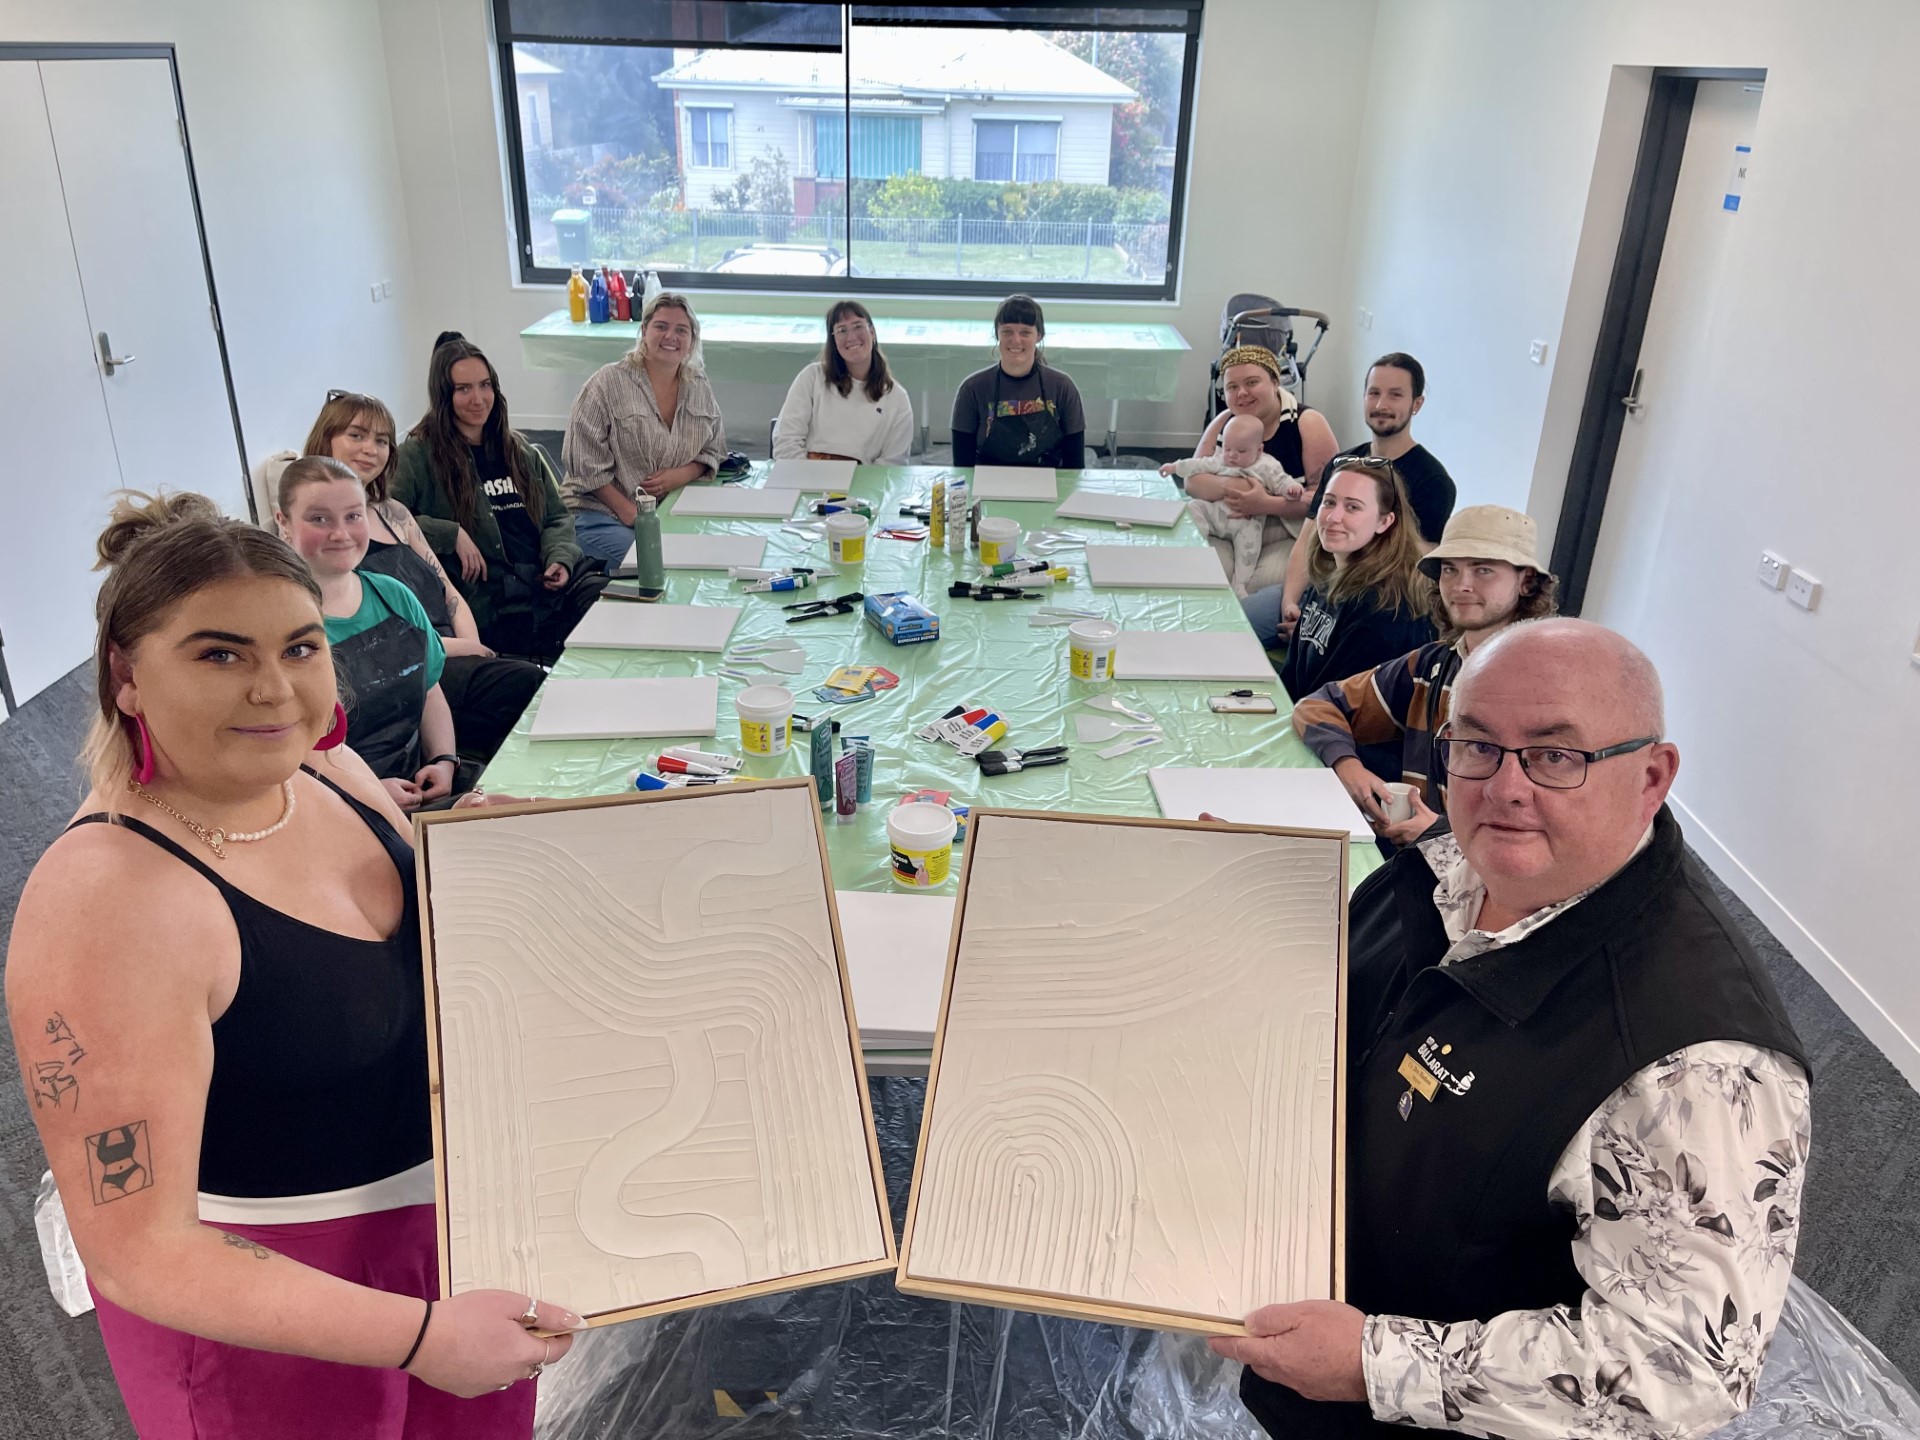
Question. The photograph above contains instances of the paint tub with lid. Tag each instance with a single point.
(1090, 646)
(999, 538)
(920, 838)
(766, 719)
(847, 538)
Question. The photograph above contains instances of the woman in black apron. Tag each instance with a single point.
(1019, 410)
(385, 650)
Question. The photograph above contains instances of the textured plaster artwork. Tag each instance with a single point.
(1135, 1099)
(649, 1088)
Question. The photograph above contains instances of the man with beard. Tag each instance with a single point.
(1381, 722)
(1396, 391)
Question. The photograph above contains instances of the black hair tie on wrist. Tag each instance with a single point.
(453, 760)
(415, 1350)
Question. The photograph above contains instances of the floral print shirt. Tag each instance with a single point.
(1686, 1188)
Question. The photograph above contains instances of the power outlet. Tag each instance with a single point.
(375, 287)
(1773, 571)
(1803, 590)
(1363, 318)
(1537, 352)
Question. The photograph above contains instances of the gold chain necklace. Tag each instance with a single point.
(213, 837)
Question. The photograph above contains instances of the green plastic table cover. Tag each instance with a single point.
(987, 654)
(1113, 361)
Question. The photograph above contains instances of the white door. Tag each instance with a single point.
(1672, 375)
(100, 221)
(60, 460)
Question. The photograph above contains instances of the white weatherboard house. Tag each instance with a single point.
(968, 104)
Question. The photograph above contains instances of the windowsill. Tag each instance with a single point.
(720, 301)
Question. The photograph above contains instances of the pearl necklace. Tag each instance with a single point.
(214, 837)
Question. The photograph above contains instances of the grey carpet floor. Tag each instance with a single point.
(1860, 1236)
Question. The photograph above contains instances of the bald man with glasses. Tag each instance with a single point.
(1577, 1117)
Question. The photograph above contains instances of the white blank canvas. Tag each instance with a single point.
(1156, 567)
(1190, 655)
(624, 625)
(897, 962)
(650, 1091)
(810, 475)
(1014, 482)
(1300, 799)
(1133, 509)
(734, 502)
(1134, 1104)
(627, 709)
(706, 552)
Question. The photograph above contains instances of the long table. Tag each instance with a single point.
(928, 354)
(987, 654)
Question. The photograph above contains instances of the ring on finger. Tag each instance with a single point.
(547, 1359)
(533, 1371)
(531, 1315)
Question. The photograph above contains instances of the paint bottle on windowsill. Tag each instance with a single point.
(577, 297)
(618, 297)
(597, 299)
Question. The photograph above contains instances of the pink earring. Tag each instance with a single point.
(143, 771)
(338, 734)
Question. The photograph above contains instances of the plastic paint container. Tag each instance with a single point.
(820, 760)
(920, 836)
(846, 783)
(1090, 649)
(999, 538)
(766, 719)
(847, 538)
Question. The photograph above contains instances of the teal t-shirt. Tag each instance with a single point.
(399, 601)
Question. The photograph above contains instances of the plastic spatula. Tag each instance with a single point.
(1092, 729)
(766, 647)
(784, 662)
(1107, 702)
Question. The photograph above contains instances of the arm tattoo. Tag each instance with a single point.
(240, 1242)
(119, 1162)
(53, 1082)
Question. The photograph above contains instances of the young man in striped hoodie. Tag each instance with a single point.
(1488, 576)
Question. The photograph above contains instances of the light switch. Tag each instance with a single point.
(1537, 352)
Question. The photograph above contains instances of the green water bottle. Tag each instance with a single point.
(650, 570)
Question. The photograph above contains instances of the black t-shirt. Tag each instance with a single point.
(519, 536)
(1429, 487)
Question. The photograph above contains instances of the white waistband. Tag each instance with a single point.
(409, 1187)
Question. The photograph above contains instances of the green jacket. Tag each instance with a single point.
(416, 486)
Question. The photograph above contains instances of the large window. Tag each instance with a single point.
(907, 147)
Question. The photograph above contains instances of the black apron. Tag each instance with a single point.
(399, 561)
(385, 667)
(1019, 439)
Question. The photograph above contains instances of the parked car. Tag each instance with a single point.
(766, 258)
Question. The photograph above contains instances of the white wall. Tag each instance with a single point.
(1483, 141)
(1271, 189)
(293, 150)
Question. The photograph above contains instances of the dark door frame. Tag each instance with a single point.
(1623, 322)
(77, 51)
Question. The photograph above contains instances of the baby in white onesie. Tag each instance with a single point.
(1244, 465)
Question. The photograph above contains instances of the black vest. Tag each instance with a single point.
(1447, 1212)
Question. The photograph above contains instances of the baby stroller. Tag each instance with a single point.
(1263, 320)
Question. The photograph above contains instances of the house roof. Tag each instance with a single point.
(525, 64)
(910, 62)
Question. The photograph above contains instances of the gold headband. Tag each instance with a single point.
(1252, 355)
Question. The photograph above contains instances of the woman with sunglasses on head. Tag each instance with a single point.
(846, 405)
(215, 988)
(647, 424)
(1019, 410)
(489, 506)
(1366, 602)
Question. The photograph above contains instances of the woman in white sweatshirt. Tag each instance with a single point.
(846, 406)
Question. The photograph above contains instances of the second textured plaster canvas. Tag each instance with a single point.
(650, 1088)
(1134, 1102)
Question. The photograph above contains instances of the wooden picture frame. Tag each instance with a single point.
(446, 1167)
(1080, 1306)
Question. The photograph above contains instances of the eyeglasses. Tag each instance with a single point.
(853, 330)
(1556, 767)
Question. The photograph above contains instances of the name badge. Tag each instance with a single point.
(1419, 1077)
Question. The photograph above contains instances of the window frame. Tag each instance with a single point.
(1167, 290)
(709, 108)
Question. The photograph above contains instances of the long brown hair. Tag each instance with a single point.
(1385, 564)
(447, 448)
(879, 379)
(342, 410)
(157, 550)
(1539, 599)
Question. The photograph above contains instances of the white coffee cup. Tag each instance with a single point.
(1400, 807)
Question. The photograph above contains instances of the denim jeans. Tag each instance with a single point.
(1262, 609)
(602, 536)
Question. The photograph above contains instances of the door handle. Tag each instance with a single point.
(108, 360)
(1631, 399)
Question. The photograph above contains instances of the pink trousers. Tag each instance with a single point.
(180, 1387)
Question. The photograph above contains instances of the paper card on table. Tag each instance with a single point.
(1014, 482)
(733, 502)
(810, 475)
(1133, 509)
(709, 552)
(1190, 655)
(1155, 567)
(896, 949)
(627, 709)
(1312, 799)
(612, 625)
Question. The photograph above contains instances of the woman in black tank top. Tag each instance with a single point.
(217, 1004)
